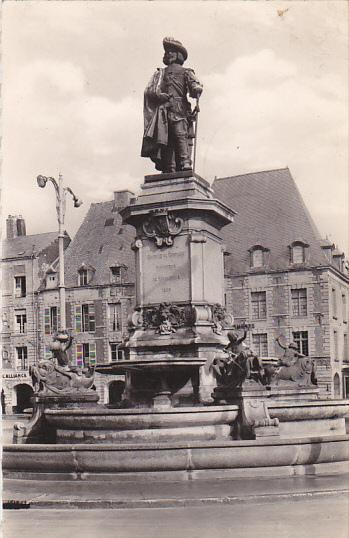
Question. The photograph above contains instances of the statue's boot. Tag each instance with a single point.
(183, 161)
(168, 163)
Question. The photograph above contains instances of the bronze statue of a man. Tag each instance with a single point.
(168, 118)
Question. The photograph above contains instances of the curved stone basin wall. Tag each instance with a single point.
(298, 419)
(110, 460)
(142, 425)
(98, 425)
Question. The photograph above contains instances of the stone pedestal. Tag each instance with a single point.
(253, 420)
(179, 310)
(255, 402)
(37, 430)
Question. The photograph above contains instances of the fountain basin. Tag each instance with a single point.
(99, 425)
(153, 380)
(318, 417)
(177, 461)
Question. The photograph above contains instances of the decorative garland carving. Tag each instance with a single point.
(165, 318)
(162, 226)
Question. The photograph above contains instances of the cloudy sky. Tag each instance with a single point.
(275, 95)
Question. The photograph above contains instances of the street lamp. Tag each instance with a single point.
(61, 193)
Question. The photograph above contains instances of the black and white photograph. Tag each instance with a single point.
(174, 269)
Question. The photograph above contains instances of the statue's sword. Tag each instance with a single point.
(197, 109)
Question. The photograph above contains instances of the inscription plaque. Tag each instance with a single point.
(166, 272)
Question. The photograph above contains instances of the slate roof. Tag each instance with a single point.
(271, 213)
(24, 245)
(101, 242)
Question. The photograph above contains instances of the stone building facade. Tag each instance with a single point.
(25, 260)
(99, 276)
(282, 279)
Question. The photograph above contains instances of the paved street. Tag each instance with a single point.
(320, 517)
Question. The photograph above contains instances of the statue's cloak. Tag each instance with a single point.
(155, 120)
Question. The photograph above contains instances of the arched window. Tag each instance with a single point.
(298, 251)
(336, 385)
(258, 256)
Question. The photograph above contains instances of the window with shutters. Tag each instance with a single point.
(85, 318)
(85, 354)
(334, 302)
(300, 338)
(344, 308)
(115, 317)
(51, 319)
(116, 354)
(20, 321)
(22, 357)
(299, 302)
(345, 347)
(335, 345)
(260, 344)
(47, 352)
(20, 286)
(259, 304)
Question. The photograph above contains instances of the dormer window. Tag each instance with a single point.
(338, 260)
(85, 274)
(117, 272)
(298, 252)
(258, 256)
(83, 277)
(327, 247)
(51, 278)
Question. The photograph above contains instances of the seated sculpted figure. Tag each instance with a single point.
(240, 364)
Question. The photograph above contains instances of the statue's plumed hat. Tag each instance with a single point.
(170, 43)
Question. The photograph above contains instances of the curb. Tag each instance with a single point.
(165, 503)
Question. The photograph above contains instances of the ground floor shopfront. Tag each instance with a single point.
(17, 390)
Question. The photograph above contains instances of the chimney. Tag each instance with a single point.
(15, 226)
(21, 226)
(11, 229)
(122, 199)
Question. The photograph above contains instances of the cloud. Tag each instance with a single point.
(263, 105)
(275, 94)
(265, 113)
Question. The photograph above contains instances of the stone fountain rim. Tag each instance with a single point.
(311, 403)
(124, 447)
(143, 410)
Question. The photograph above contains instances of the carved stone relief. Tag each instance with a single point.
(162, 226)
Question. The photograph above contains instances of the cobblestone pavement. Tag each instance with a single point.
(320, 517)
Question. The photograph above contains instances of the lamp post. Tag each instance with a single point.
(61, 193)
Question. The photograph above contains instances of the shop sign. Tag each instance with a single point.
(16, 375)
